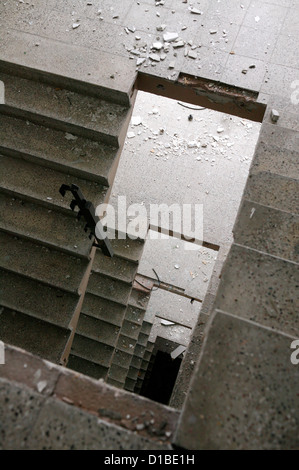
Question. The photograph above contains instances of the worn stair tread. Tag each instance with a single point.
(111, 289)
(136, 362)
(97, 330)
(43, 264)
(36, 299)
(37, 183)
(118, 268)
(130, 385)
(128, 249)
(273, 190)
(139, 299)
(126, 344)
(56, 149)
(63, 109)
(133, 373)
(135, 315)
(86, 367)
(51, 228)
(103, 309)
(61, 74)
(91, 350)
(36, 336)
(115, 383)
(122, 358)
(130, 329)
(117, 372)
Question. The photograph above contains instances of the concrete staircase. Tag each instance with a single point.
(55, 131)
(107, 329)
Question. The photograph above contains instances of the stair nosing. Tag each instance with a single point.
(44, 243)
(59, 124)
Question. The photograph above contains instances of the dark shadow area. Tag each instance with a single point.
(161, 378)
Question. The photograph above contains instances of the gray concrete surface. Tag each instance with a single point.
(260, 33)
(169, 159)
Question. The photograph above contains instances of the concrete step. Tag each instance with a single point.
(139, 350)
(97, 330)
(133, 373)
(51, 228)
(36, 336)
(36, 299)
(142, 339)
(36, 183)
(146, 327)
(131, 330)
(64, 110)
(136, 362)
(92, 351)
(139, 299)
(115, 383)
(86, 367)
(115, 267)
(109, 288)
(126, 344)
(269, 189)
(135, 315)
(128, 249)
(117, 373)
(64, 77)
(103, 309)
(130, 385)
(41, 263)
(122, 358)
(77, 156)
(267, 230)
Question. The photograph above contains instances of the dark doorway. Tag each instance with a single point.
(162, 377)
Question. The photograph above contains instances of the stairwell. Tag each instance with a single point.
(55, 131)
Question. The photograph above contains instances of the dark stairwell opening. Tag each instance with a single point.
(160, 380)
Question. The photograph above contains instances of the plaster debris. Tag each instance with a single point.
(192, 54)
(213, 31)
(161, 27)
(195, 11)
(41, 385)
(171, 65)
(157, 45)
(274, 115)
(69, 136)
(178, 44)
(176, 352)
(167, 323)
(155, 57)
(252, 212)
(170, 37)
(131, 135)
(140, 61)
(76, 25)
(136, 120)
(192, 144)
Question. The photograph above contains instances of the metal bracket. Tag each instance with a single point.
(87, 210)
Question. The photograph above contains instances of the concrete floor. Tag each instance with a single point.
(263, 33)
(168, 159)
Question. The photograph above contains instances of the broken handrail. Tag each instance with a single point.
(93, 223)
